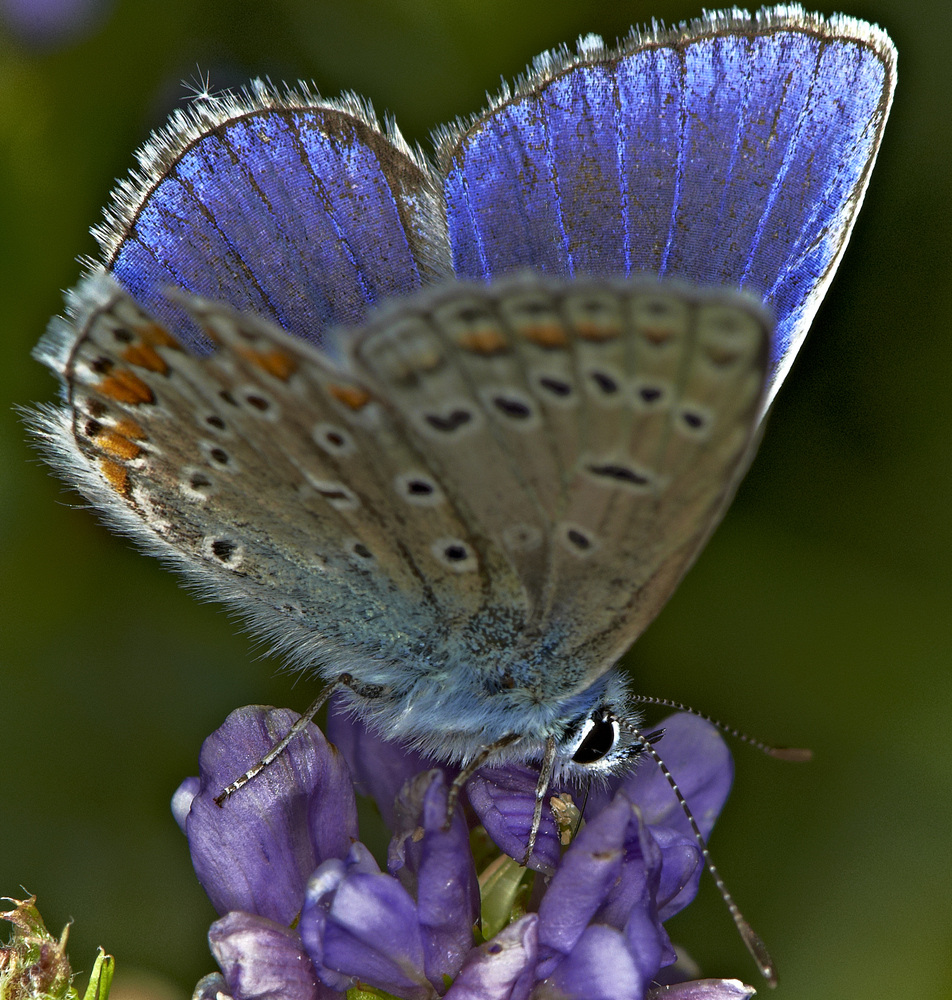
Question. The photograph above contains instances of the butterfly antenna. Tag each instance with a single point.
(778, 753)
(755, 946)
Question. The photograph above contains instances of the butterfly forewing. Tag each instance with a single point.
(288, 488)
(697, 382)
(302, 210)
(735, 154)
(422, 360)
(349, 463)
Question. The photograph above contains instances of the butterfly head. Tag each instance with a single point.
(587, 737)
(597, 738)
(597, 743)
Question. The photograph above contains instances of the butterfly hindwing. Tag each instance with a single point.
(589, 430)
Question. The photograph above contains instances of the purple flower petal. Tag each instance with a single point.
(589, 871)
(601, 967)
(597, 931)
(500, 969)
(504, 799)
(647, 939)
(703, 989)
(262, 959)
(608, 877)
(256, 853)
(182, 800)
(380, 768)
(695, 754)
(681, 870)
(436, 867)
(211, 987)
(639, 874)
(699, 759)
(360, 926)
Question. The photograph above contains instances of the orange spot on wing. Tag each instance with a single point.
(721, 356)
(117, 445)
(116, 475)
(486, 341)
(211, 333)
(127, 427)
(158, 336)
(598, 331)
(656, 334)
(125, 386)
(282, 366)
(145, 356)
(352, 396)
(549, 335)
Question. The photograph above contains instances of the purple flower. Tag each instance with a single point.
(307, 913)
(257, 854)
(52, 22)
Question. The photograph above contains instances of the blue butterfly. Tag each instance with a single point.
(453, 430)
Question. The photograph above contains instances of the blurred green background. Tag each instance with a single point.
(818, 616)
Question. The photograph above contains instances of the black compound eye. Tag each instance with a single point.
(600, 736)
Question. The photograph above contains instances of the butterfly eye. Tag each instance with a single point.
(599, 736)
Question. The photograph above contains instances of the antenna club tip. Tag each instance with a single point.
(758, 951)
(796, 754)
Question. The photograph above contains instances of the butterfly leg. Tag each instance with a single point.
(470, 768)
(345, 680)
(542, 786)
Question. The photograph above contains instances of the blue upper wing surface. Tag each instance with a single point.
(733, 153)
(303, 212)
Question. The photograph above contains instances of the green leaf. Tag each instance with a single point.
(100, 979)
(503, 887)
(364, 992)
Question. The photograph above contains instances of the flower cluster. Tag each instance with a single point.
(308, 914)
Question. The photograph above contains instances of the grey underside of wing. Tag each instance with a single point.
(505, 484)
(590, 434)
(249, 473)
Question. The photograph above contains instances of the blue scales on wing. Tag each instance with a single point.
(727, 157)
